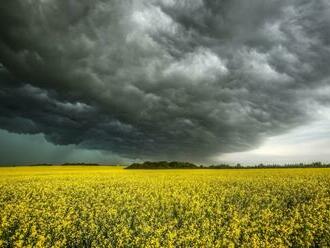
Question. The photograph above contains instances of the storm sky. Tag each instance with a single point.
(194, 80)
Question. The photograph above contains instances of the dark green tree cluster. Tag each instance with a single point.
(162, 165)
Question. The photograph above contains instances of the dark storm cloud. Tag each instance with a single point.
(162, 79)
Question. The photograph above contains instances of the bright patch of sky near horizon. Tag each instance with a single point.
(305, 144)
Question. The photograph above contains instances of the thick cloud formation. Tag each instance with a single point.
(162, 79)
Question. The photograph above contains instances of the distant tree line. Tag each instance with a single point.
(260, 166)
(163, 165)
(187, 165)
(80, 164)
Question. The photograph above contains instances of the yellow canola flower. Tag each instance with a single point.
(113, 207)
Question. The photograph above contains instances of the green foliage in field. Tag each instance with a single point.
(112, 207)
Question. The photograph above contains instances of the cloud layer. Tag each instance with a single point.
(162, 79)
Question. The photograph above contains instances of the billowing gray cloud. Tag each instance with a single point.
(162, 79)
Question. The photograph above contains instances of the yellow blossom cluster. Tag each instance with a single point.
(100, 206)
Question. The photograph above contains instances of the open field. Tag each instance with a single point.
(111, 207)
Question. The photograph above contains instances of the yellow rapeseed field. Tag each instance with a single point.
(112, 207)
